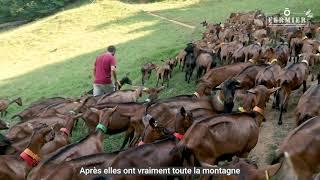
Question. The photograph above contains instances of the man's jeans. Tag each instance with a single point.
(100, 89)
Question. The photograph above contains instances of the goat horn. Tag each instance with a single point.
(145, 88)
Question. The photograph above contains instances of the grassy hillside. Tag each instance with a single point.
(54, 56)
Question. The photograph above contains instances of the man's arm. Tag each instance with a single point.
(94, 71)
(114, 73)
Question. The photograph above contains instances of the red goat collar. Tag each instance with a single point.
(65, 131)
(31, 158)
(179, 136)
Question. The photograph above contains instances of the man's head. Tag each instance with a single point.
(111, 49)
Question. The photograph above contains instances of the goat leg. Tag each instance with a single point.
(149, 75)
(128, 136)
(304, 86)
(157, 81)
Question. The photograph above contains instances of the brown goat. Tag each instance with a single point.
(308, 105)
(72, 169)
(15, 167)
(181, 58)
(20, 134)
(291, 79)
(302, 148)
(36, 107)
(91, 144)
(203, 62)
(162, 153)
(210, 80)
(146, 69)
(61, 137)
(172, 63)
(121, 96)
(163, 72)
(280, 54)
(180, 123)
(3, 125)
(314, 63)
(249, 170)
(227, 134)
(4, 104)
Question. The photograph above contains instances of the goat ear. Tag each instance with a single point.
(183, 111)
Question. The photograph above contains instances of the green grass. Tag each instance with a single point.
(53, 56)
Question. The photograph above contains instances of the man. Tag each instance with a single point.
(104, 69)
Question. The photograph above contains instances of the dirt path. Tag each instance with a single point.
(170, 20)
(271, 134)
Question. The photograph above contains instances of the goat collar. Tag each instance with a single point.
(196, 94)
(31, 158)
(178, 135)
(305, 61)
(273, 61)
(102, 128)
(258, 110)
(65, 131)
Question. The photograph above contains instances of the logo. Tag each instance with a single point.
(288, 18)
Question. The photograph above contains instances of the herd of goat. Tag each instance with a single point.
(239, 64)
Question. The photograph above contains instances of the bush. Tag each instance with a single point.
(28, 9)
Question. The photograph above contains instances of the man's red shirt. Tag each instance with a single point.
(102, 74)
